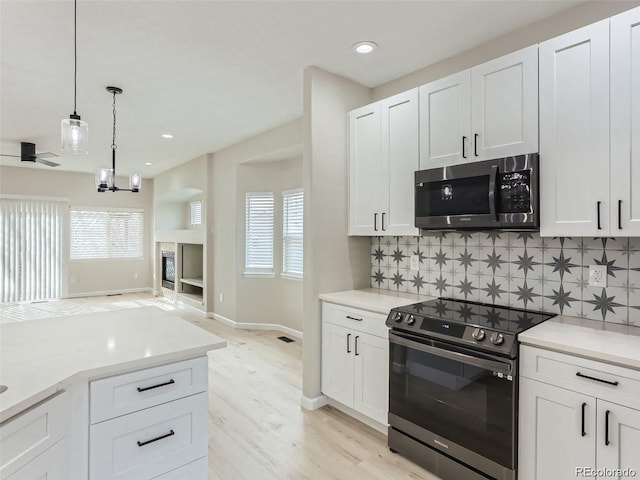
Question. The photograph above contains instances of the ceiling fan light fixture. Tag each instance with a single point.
(74, 133)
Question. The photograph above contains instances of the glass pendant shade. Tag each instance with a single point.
(104, 179)
(74, 135)
(135, 182)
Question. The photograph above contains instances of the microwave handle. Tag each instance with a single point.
(492, 189)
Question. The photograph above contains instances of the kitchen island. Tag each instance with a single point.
(86, 379)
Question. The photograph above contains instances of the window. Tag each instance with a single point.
(259, 231)
(196, 212)
(292, 211)
(106, 233)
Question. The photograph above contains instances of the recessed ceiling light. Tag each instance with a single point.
(365, 47)
(167, 135)
(148, 163)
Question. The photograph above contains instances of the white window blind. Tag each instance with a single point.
(106, 233)
(292, 228)
(30, 249)
(196, 212)
(259, 232)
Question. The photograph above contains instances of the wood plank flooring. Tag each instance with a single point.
(257, 428)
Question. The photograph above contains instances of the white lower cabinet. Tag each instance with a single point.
(53, 464)
(193, 471)
(573, 421)
(355, 356)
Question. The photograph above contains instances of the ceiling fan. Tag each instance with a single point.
(28, 154)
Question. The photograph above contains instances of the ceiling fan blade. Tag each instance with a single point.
(47, 162)
(7, 155)
(46, 155)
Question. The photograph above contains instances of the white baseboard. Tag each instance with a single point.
(314, 403)
(108, 292)
(256, 326)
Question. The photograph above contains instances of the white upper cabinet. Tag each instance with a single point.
(489, 111)
(504, 105)
(625, 123)
(383, 156)
(574, 133)
(445, 119)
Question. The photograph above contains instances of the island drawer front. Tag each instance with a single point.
(361, 320)
(198, 470)
(29, 434)
(151, 442)
(122, 394)
(583, 375)
(53, 464)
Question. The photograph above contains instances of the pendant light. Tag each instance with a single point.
(74, 133)
(106, 177)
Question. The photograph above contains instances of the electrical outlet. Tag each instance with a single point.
(597, 275)
(415, 262)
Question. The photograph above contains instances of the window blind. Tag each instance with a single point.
(106, 233)
(196, 212)
(30, 249)
(292, 232)
(259, 232)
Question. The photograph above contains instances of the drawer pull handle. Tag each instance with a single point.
(354, 318)
(142, 444)
(584, 407)
(606, 427)
(144, 389)
(615, 384)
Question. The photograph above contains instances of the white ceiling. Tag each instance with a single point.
(212, 73)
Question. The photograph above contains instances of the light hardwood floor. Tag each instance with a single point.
(257, 428)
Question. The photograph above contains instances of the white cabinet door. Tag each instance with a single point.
(366, 191)
(574, 133)
(445, 121)
(337, 362)
(53, 464)
(371, 388)
(556, 433)
(399, 144)
(625, 123)
(504, 95)
(619, 438)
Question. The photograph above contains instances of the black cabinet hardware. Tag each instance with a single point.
(598, 205)
(619, 214)
(348, 343)
(584, 408)
(475, 144)
(608, 382)
(464, 140)
(144, 389)
(357, 337)
(606, 427)
(383, 229)
(354, 318)
(147, 442)
(375, 222)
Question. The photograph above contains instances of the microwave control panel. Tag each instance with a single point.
(514, 192)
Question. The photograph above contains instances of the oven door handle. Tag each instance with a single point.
(493, 365)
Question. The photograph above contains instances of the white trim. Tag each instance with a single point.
(109, 292)
(294, 278)
(9, 196)
(105, 209)
(359, 416)
(256, 326)
(291, 192)
(259, 275)
(314, 403)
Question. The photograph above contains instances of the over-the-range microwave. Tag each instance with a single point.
(491, 194)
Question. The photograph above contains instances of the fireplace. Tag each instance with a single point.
(168, 270)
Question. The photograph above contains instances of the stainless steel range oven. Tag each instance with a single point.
(453, 391)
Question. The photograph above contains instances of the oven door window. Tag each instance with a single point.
(463, 403)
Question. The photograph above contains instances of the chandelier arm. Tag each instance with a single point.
(75, 54)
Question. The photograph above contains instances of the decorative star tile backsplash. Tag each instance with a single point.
(522, 270)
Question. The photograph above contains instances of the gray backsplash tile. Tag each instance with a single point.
(522, 270)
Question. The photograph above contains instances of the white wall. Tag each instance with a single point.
(273, 300)
(222, 202)
(90, 276)
(333, 261)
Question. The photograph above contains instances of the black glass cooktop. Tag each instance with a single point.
(482, 315)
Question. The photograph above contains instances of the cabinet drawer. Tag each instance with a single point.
(53, 464)
(197, 470)
(360, 320)
(151, 442)
(31, 433)
(122, 394)
(562, 370)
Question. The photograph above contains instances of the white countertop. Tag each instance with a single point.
(373, 299)
(603, 341)
(40, 357)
